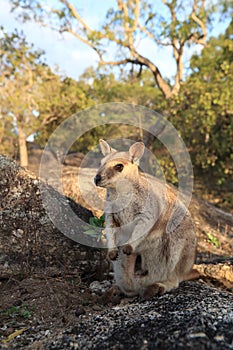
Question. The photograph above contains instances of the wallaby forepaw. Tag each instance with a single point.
(154, 289)
(127, 249)
(113, 254)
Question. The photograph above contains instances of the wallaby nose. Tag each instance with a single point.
(97, 179)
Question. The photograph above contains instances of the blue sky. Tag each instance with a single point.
(72, 56)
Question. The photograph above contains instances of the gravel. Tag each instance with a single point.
(194, 316)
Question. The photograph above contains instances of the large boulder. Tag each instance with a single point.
(28, 238)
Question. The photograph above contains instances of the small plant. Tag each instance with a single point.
(213, 240)
(97, 223)
(23, 310)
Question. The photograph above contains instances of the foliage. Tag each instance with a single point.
(7, 136)
(203, 111)
(104, 87)
(22, 310)
(97, 223)
(23, 83)
(69, 97)
(32, 96)
(213, 240)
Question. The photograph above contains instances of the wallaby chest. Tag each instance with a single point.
(124, 208)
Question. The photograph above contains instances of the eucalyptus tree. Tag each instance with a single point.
(203, 111)
(25, 81)
(175, 25)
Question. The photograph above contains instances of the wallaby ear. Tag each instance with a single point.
(105, 148)
(136, 151)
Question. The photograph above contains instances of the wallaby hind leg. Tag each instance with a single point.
(154, 289)
(160, 288)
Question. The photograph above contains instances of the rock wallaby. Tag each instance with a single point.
(152, 247)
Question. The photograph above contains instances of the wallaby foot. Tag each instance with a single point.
(127, 249)
(154, 289)
(112, 254)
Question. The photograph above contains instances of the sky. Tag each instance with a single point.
(71, 55)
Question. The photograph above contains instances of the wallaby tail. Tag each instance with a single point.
(192, 275)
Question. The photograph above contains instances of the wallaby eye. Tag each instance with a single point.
(119, 167)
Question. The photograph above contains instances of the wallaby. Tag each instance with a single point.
(151, 248)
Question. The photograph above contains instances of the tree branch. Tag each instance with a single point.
(162, 84)
(152, 36)
(88, 29)
(78, 36)
(118, 63)
(199, 40)
(177, 49)
(136, 14)
(76, 15)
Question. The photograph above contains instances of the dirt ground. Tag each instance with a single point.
(36, 308)
(40, 305)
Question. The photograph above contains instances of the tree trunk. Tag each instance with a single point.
(23, 152)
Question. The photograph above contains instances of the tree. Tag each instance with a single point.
(175, 24)
(7, 135)
(129, 88)
(32, 96)
(203, 111)
(71, 97)
(22, 74)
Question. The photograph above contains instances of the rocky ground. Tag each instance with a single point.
(56, 293)
(188, 318)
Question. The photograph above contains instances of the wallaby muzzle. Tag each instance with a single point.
(97, 179)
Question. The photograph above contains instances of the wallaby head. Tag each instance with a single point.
(117, 166)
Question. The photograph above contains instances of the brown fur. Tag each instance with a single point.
(138, 210)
